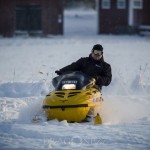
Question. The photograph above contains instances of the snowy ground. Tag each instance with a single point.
(27, 66)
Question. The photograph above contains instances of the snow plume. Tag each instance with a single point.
(125, 109)
(32, 108)
(126, 100)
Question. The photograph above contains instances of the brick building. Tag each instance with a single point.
(31, 16)
(123, 16)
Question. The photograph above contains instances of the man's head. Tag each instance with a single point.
(97, 52)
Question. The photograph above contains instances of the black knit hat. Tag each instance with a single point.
(97, 47)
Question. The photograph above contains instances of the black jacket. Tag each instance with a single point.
(100, 70)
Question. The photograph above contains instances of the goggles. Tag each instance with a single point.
(98, 52)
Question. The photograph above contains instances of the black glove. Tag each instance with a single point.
(98, 80)
(58, 72)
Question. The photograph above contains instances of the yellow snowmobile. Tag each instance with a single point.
(74, 99)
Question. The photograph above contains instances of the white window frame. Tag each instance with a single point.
(138, 4)
(106, 4)
(121, 4)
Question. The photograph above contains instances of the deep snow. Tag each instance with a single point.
(27, 66)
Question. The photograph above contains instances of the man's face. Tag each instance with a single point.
(96, 57)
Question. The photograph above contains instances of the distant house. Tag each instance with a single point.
(123, 16)
(31, 16)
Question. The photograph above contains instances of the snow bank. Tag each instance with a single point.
(18, 90)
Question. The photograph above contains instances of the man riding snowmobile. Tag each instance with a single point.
(94, 66)
(75, 98)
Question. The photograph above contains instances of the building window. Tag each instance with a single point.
(28, 18)
(121, 4)
(105, 4)
(138, 4)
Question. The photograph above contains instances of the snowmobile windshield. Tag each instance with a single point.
(71, 81)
